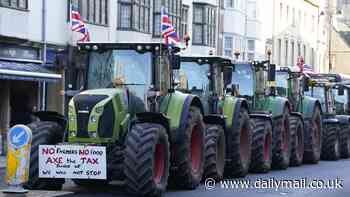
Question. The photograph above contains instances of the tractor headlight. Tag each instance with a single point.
(70, 109)
(72, 134)
(93, 119)
(93, 134)
(99, 110)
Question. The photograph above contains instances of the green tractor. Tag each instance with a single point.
(151, 132)
(341, 90)
(228, 127)
(271, 139)
(322, 87)
(306, 116)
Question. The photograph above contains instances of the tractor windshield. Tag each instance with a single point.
(282, 83)
(341, 98)
(194, 77)
(319, 93)
(243, 77)
(124, 67)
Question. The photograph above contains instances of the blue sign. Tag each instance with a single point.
(19, 136)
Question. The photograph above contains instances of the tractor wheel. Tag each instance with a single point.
(146, 160)
(331, 143)
(43, 133)
(297, 146)
(215, 152)
(281, 141)
(188, 156)
(261, 147)
(313, 137)
(241, 147)
(345, 141)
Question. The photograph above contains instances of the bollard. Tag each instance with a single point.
(19, 140)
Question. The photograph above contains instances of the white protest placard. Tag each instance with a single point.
(72, 162)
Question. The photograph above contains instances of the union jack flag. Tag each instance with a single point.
(168, 31)
(78, 25)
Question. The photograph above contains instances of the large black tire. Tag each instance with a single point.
(215, 152)
(297, 144)
(331, 143)
(44, 133)
(262, 146)
(281, 136)
(188, 157)
(345, 141)
(146, 160)
(313, 137)
(241, 145)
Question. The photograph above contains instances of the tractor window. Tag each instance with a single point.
(282, 83)
(341, 98)
(121, 67)
(243, 76)
(319, 93)
(194, 77)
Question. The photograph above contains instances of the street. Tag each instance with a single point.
(323, 171)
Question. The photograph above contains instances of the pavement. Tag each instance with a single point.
(323, 172)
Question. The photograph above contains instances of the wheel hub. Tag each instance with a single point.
(196, 148)
(159, 163)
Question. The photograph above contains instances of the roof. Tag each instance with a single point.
(26, 71)
(147, 46)
(207, 59)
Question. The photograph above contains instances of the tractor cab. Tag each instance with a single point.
(206, 77)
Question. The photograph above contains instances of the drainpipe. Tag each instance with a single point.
(43, 37)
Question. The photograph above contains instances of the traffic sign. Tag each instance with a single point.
(19, 136)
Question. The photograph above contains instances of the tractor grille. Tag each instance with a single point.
(106, 122)
(83, 105)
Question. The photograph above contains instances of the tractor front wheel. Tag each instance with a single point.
(43, 133)
(297, 145)
(345, 141)
(188, 156)
(147, 160)
(241, 142)
(331, 143)
(214, 152)
(281, 141)
(261, 148)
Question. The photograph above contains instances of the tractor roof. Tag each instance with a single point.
(140, 46)
(207, 59)
(327, 77)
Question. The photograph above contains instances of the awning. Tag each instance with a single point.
(27, 72)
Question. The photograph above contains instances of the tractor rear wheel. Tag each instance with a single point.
(313, 137)
(215, 152)
(188, 157)
(241, 143)
(297, 145)
(43, 133)
(331, 143)
(281, 141)
(345, 141)
(146, 159)
(262, 146)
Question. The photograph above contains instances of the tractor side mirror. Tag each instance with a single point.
(272, 73)
(341, 91)
(175, 62)
(227, 75)
(306, 82)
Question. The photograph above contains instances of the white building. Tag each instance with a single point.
(295, 29)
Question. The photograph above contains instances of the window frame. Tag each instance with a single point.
(17, 7)
(208, 24)
(87, 19)
(226, 49)
(184, 20)
(137, 24)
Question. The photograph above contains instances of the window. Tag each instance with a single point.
(134, 15)
(293, 54)
(172, 8)
(279, 51)
(286, 53)
(184, 21)
(228, 46)
(281, 11)
(304, 52)
(251, 45)
(293, 17)
(204, 24)
(230, 3)
(313, 24)
(287, 19)
(93, 11)
(17, 4)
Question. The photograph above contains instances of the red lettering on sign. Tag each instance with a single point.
(89, 160)
(83, 152)
(48, 151)
(54, 160)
